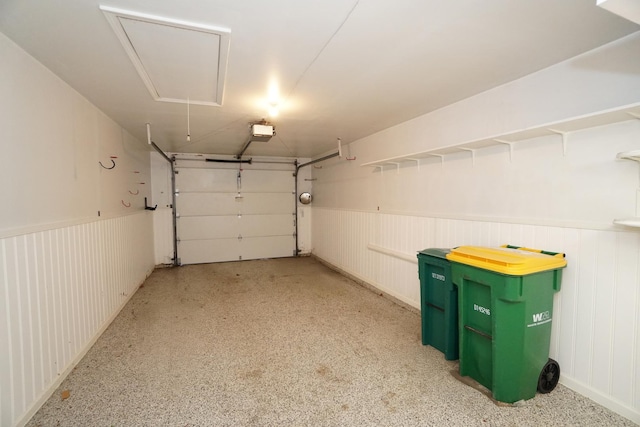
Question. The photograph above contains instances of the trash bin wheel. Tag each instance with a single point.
(549, 377)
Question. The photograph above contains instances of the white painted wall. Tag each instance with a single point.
(75, 241)
(52, 140)
(371, 223)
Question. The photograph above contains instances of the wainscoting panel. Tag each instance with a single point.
(60, 289)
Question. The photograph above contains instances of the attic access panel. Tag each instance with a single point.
(178, 61)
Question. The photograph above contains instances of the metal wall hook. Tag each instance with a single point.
(113, 164)
(147, 207)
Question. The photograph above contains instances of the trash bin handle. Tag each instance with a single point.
(540, 251)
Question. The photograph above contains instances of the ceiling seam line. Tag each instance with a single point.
(344, 21)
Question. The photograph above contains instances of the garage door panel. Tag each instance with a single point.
(194, 179)
(267, 247)
(267, 181)
(208, 204)
(230, 204)
(204, 251)
(278, 225)
(267, 203)
(208, 227)
(212, 217)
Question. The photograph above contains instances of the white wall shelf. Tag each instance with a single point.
(629, 155)
(633, 221)
(629, 222)
(562, 128)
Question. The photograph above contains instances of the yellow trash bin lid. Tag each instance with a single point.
(507, 260)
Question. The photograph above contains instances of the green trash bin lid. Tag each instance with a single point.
(435, 252)
(509, 261)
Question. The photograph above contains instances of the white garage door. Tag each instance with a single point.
(226, 213)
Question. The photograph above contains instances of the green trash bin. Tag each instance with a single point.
(505, 311)
(438, 302)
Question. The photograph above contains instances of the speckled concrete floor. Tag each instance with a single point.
(284, 342)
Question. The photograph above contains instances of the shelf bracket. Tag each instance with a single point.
(437, 155)
(414, 160)
(565, 139)
(397, 166)
(510, 144)
(473, 154)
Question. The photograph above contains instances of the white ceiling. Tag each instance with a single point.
(343, 68)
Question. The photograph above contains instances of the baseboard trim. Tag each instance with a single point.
(372, 286)
(26, 417)
(606, 401)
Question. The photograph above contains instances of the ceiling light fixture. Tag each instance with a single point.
(273, 109)
(273, 99)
